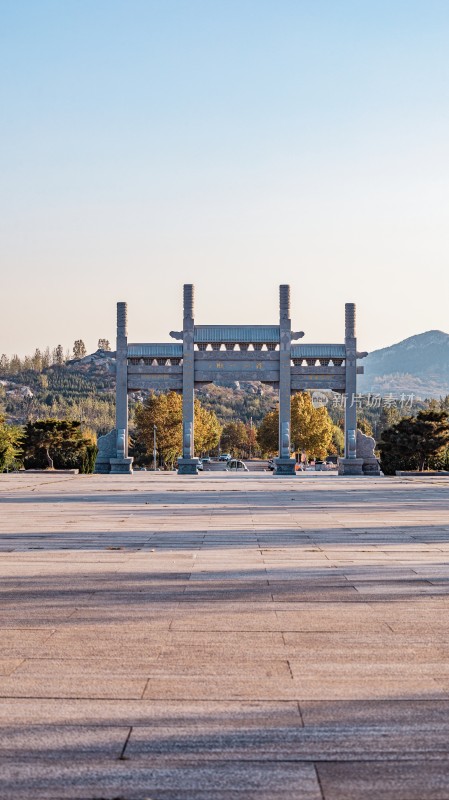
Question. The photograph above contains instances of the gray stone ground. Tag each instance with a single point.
(171, 638)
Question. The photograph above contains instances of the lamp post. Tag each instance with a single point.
(154, 447)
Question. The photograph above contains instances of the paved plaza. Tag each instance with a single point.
(168, 637)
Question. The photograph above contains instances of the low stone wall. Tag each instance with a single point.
(417, 474)
(47, 472)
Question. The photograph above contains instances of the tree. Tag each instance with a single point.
(98, 414)
(57, 442)
(338, 441)
(268, 433)
(252, 443)
(15, 365)
(444, 404)
(46, 358)
(388, 417)
(311, 428)
(36, 361)
(234, 438)
(442, 460)
(414, 442)
(364, 425)
(103, 344)
(4, 364)
(432, 436)
(58, 355)
(79, 349)
(10, 439)
(165, 411)
(207, 429)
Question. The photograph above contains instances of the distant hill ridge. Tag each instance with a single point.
(418, 364)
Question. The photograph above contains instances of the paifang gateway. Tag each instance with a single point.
(204, 354)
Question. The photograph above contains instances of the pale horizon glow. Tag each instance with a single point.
(235, 145)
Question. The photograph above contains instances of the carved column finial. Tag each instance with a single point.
(122, 319)
(284, 301)
(189, 300)
(349, 320)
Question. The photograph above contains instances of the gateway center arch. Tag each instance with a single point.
(201, 354)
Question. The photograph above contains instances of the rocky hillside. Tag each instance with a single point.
(84, 389)
(418, 365)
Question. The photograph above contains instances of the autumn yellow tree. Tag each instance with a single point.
(207, 429)
(268, 433)
(252, 443)
(311, 428)
(165, 411)
(234, 439)
(338, 441)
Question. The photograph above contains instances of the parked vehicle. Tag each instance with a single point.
(225, 457)
(235, 464)
(200, 464)
(206, 460)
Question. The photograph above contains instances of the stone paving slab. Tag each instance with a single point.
(59, 741)
(173, 637)
(76, 686)
(384, 742)
(232, 780)
(213, 715)
(381, 781)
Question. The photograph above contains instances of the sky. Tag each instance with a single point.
(233, 144)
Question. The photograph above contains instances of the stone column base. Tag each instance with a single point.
(350, 466)
(102, 467)
(122, 466)
(371, 466)
(187, 466)
(284, 466)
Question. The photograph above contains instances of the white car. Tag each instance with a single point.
(235, 465)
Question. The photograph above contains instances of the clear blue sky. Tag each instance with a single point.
(233, 144)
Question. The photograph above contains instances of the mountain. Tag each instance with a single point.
(418, 365)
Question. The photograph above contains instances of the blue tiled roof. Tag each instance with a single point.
(154, 350)
(207, 334)
(318, 351)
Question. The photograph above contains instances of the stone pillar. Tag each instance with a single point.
(121, 463)
(284, 464)
(350, 464)
(187, 465)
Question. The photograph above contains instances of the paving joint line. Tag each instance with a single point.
(122, 756)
